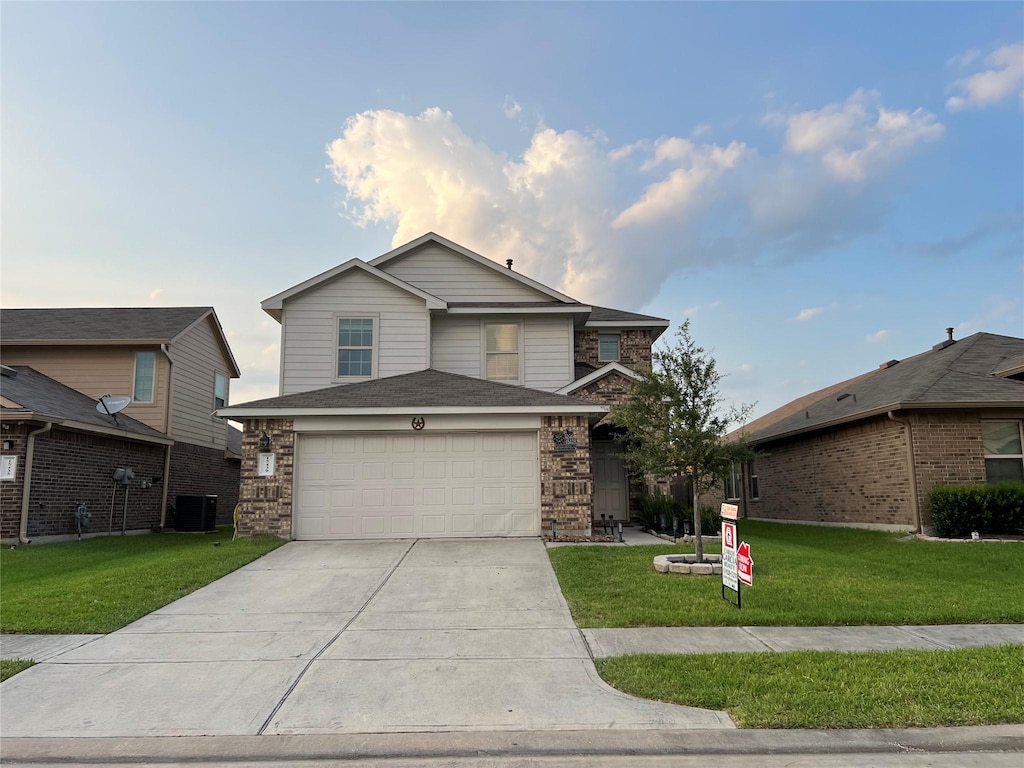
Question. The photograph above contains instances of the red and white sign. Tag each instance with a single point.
(729, 535)
(730, 511)
(729, 572)
(745, 564)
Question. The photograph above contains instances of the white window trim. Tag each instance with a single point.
(618, 347)
(483, 349)
(375, 317)
(1020, 436)
(730, 480)
(135, 367)
(227, 389)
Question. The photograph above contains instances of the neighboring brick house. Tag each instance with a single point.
(175, 364)
(869, 450)
(59, 452)
(433, 392)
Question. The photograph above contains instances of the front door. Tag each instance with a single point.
(610, 484)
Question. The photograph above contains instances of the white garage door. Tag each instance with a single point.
(388, 485)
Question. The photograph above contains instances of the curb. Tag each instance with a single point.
(458, 744)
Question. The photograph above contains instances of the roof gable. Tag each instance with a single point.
(597, 375)
(391, 260)
(98, 324)
(275, 304)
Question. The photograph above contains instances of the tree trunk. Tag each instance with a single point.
(698, 542)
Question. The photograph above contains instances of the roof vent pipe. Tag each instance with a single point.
(508, 263)
(949, 334)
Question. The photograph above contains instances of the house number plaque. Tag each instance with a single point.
(565, 442)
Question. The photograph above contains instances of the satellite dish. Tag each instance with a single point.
(111, 404)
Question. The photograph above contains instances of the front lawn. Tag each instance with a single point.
(101, 584)
(11, 667)
(819, 689)
(803, 576)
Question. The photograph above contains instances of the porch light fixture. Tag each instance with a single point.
(264, 441)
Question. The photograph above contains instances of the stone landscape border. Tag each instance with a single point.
(688, 565)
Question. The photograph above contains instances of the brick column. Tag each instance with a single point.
(267, 501)
(566, 478)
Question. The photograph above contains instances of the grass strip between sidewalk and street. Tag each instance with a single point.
(828, 689)
(11, 667)
(101, 584)
(803, 576)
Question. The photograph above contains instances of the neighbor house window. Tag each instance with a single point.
(145, 374)
(752, 473)
(355, 347)
(501, 352)
(608, 348)
(1004, 457)
(734, 481)
(220, 391)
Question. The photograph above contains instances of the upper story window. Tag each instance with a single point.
(220, 390)
(501, 352)
(608, 348)
(1004, 457)
(145, 376)
(355, 347)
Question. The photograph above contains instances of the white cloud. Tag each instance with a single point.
(609, 223)
(511, 107)
(876, 337)
(744, 368)
(1003, 78)
(155, 293)
(807, 314)
(858, 138)
(964, 59)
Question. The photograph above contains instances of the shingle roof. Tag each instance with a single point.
(608, 315)
(41, 395)
(959, 375)
(422, 389)
(156, 324)
(514, 304)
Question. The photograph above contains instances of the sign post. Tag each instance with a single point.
(737, 567)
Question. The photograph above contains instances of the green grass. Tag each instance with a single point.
(819, 689)
(11, 667)
(803, 576)
(99, 585)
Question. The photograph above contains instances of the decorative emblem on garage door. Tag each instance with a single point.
(565, 442)
(418, 422)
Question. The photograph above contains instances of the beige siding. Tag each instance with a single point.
(197, 358)
(548, 350)
(309, 334)
(456, 347)
(452, 277)
(95, 370)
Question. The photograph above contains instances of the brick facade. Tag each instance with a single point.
(266, 502)
(567, 481)
(634, 347)
(612, 389)
(199, 470)
(71, 467)
(859, 474)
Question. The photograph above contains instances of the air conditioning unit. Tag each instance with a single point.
(195, 513)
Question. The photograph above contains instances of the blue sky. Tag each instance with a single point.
(819, 187)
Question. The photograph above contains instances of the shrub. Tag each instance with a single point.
(710, 521)
(656, 511)
(957, 510)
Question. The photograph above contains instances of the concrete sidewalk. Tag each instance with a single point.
(622, 642)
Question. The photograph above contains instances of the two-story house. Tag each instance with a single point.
(175, 365)
(434, 392)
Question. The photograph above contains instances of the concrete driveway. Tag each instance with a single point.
(344, 637)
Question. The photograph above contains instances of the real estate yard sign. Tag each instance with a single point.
(731, 576)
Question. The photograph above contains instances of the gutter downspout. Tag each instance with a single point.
(167, 431)
(30, 448)
(913, 469)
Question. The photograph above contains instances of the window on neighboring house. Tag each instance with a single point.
(501, 352)
(752, 472)
(145, 375)
(355, 347)
(220, 391)
(1004, 457)
(608, 348)
(734, 481)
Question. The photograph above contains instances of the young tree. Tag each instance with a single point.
(675, 421)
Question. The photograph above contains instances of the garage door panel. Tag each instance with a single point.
(379, 485)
